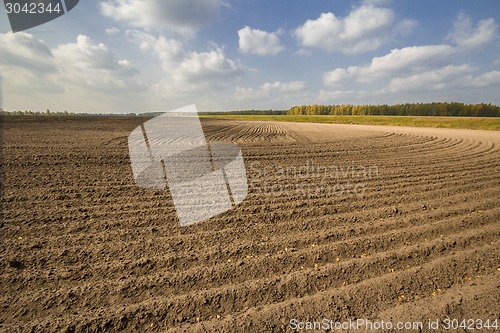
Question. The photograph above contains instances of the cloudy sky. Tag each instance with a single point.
(121, 56)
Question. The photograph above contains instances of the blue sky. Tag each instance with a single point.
(121, 56)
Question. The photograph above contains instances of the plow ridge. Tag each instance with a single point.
(83, 249)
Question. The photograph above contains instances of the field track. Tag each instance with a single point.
(341, 222)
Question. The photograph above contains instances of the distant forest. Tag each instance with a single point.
(409, 109)
(145, 114)
(60, 114)
(247, 112)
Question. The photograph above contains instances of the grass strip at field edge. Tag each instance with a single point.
(492, 124)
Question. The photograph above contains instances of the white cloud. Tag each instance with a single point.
(406, 26)
(87, 55)
(283, 86)
(22, 50)
(187, 75)
(27, 64)
(466, 36)
(276, 90)
(255, 41)
(398, 61)
(332, 96)
(246, 94)
(303, 52)
(367, 20)
(168, 51)
(338, 75)
(180, 16)
(31, 66)
(487, 79)
(449, 78)
(408, 59)
(364, 29)
(208, 65)
(438, 79)
(426, 71)
(183, 67)
(95, 67)
(112, 31)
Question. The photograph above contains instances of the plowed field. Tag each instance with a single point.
(341, 222)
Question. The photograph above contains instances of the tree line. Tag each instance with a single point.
(36, 113)
(59, 114)
(145, 114)
(408, 109)
(246, 112)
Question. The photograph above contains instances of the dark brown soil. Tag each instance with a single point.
(341, 222)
